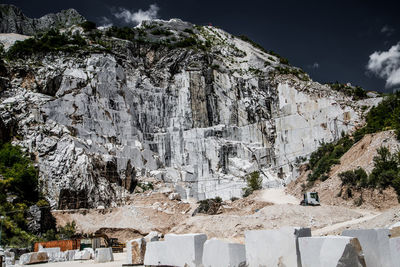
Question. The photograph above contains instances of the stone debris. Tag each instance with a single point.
(135, 251)
(218, 253)
(174, 196)
(33, 257)
(152, 236)
(103, 255)
(82, 255)
(375, 244)
(176, 250)
(274, 247)
(331, 251)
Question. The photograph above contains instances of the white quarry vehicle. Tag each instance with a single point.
(310, 199)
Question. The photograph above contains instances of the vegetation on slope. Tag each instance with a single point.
(385, 116)
(254, 182)
(48, 42)
(386, 173)
(18, 192)
(354, 91)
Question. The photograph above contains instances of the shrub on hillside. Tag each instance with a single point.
(254, 182)
(50, 41)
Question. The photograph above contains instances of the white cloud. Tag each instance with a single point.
(387, 30)
(315, 65)
(105, 22)
(386, 64)
(131, 17)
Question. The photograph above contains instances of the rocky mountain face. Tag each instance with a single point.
(12, 20)
(190, 107)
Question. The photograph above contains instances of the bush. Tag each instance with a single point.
(49, 42)
(386, 173)
(209, 206)
(326, 156)
(355, 92)
(356, 177)
(254, 182)
(188, 31)
(125, 33)
(88, 26)
(67, 231)
(187, 42)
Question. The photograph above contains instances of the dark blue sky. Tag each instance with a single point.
(337, 35)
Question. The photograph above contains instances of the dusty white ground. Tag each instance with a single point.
(8, 39)
(119, 259)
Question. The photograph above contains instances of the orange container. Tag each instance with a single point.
(62, 244)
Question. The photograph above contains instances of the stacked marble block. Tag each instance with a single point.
(176, 250)
(218, 253)
(381, 246)
(331, 251)
(274, 247)
(103, 255)
(287, 246)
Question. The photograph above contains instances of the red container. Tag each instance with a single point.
(62, 244)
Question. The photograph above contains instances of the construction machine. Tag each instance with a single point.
(310, 199)
(111, 242)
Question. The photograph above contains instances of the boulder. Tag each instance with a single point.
(91, 251)
(218, 253)
(135, 251)
(176, 250)
(375, 244)
(152, 236)
(103, 255)
(9, 258)
(274, 247)
(33, 257)
(54, 254)
(70, 254)
(82, 255)
(331, 251)
(394, 244)
(174, 196)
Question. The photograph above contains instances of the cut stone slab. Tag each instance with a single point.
(82, 255)
(70, 254)
(331, 251)
(176, 250)
(103, 255)
(394, 244)
(218, 253)
(135, 251)
(33, 257)
(278, 247)
(375, 244)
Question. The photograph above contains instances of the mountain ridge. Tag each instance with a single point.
(167, 103)
(12, 20)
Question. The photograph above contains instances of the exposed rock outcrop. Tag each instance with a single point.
(12, 20)
(196, 118)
